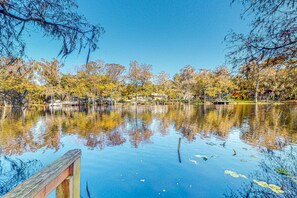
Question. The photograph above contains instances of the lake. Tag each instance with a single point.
(225, 151)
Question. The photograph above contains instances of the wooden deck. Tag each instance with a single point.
(62, 175)
(221, 102)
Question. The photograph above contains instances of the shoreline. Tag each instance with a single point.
(173, 104)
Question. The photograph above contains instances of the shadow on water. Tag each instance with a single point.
(278, 168)
(88, 191)
(15, 171)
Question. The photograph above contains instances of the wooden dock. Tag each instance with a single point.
(62, 175)
(221, 102)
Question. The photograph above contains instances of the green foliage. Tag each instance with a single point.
(282, 171)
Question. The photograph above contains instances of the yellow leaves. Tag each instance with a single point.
(272, 187)
(261, 183)
(234, 174)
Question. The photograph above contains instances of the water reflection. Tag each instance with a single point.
(263, 138)
(271, 127)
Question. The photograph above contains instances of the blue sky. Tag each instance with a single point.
(167, 34)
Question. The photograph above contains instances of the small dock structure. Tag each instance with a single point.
(62, 175)
(221, 102)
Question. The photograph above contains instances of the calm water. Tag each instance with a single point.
(132, 151)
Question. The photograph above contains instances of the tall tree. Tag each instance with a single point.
(163, 81)
(273, 35)
(17, 80)
(204, 84)
(139, 75)
(115, 72)
(223, 81)
(50, 77)
(188, 79)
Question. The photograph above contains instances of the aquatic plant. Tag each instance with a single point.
(204, 157)
(282, 171)
(272, 187)
(193, 161)
(234, 174)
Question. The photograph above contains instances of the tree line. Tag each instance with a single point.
(35, 82)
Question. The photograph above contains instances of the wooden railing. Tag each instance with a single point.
(62, 175)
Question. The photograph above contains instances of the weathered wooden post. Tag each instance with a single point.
(62, 175)
(178, 150)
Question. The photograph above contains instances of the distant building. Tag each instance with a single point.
(158, 96)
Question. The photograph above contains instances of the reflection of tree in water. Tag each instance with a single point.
(140, 134)
(268, 126)
(115, 138)
(111, 138)
(15, 171)
(279, 168)
(97, 129)
(16, 135)
(271, 127)
(206, 120)
(140, 131)
(185, 121)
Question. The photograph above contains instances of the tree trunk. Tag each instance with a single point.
(5, 102)
(204, 97)
(256, 91)
(3, 116)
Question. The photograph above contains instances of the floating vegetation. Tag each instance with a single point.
(211, 143)
(214, 156)
(193, 161)
(273, 187)
(224, 144)
(234, 174)
(204, 157)
(234, 152)
(283, 171)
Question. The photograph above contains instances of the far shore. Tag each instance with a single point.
(236, 102)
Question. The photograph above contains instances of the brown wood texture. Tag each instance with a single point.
(65, 189)
(76, 179)
(42, 183)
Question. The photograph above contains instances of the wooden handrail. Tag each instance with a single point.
(62, 175)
